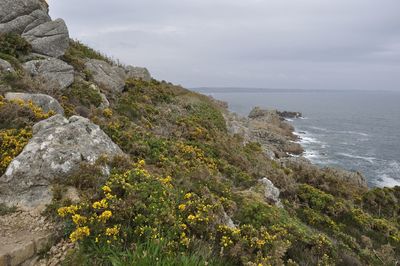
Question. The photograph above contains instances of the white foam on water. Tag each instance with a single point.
(386, 181)
(368, 159)
(320, 129)
(289, 120)
(311, 155)
(389, 175)
(350, 132)
(309, 140)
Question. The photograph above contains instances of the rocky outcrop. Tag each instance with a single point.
(50, 38)
(104, 74)
(46, 102)
(267, 128)
(138, 73)
(18, 16)
(52, 70)
(114, 77)
(57, 149)
(348, 177)
(287, 114)
(271, 193)
(30, 19)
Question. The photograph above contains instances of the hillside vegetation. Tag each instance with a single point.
(187, 192)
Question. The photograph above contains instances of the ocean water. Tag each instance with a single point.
(355, 130)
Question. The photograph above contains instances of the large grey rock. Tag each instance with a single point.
(271, 193)
(50, 38)
(138, 73)
(22, 15)
(46, 102)
(57, 149)
(113, 77)
(52, 70)
(5, 66)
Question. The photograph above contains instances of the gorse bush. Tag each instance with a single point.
(14, 45)
(138, 207)
(16, 120)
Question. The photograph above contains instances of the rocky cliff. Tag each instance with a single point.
(101, 164)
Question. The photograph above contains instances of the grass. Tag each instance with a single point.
(4, 210)
(143, 254)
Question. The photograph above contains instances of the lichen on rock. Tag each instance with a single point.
(57, 148)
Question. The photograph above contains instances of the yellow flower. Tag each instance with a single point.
(260, 243)
(100, 204)
(183, 226)
(166, 180)
(105, 216)
(109, 196)
(79, 233)
(78, 219)
(188, 195)
(63, 211)
(112, 231)
(182, 207)
(141, 163)
(107, 112)
(191, 217)
(226, 241)
(106, 189)
(184, 239)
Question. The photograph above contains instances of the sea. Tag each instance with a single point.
(352, 129)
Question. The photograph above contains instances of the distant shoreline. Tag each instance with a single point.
(278, 90)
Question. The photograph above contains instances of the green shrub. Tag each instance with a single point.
(82, 94)
(77, 53)
(14, 45)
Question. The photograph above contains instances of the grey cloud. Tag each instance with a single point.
(262, 43)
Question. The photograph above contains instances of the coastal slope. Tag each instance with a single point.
(102, 164)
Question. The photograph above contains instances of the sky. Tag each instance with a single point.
(291, 44)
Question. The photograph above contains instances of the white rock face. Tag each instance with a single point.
(57, 148)
(30, 18)
(113, 77)
(46, 102)
(50, 38)
(138, 73)
(20, 15)
(271, 193)
(51, 70)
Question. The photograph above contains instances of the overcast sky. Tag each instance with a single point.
(305, 44)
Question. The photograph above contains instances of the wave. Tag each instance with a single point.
(289, 120)
(386, 181)
(321, 129)
(307, 138)
(387, 173)
(368, 159)
(353, 133)
(311, 155)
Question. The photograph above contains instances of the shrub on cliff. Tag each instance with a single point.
(14, 45)
(16, 121)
